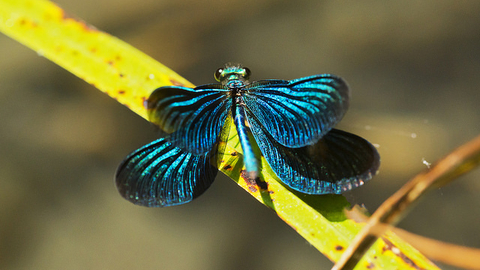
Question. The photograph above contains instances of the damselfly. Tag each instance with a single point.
(291, 121)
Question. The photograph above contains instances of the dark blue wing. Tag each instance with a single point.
(338, 162)
(160, 174)
(299, 112)
(193, 117)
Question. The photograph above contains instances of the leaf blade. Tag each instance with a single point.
(111, 65)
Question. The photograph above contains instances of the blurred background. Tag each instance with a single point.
(413, 69)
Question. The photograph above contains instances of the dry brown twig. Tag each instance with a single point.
(458, 162)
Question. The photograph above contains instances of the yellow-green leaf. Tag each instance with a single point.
(129, 76)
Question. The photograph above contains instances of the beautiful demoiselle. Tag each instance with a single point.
(291, 121)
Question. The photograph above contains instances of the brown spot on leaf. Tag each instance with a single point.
(65, 16)
(251, 184)
(121, 92)
(85, 26)
(395, 250)
(338, 248)
(234, 154)
(176, 83)
(262, 184)
(227, 167)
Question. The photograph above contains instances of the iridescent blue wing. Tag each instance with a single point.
(299, 112)
(160, 174)
(193, 118)
(181, 166)
(338, 162)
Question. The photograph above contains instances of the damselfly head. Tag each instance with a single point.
(231, 72)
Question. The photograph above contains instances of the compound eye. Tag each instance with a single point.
(218, 74)
(246, 73)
